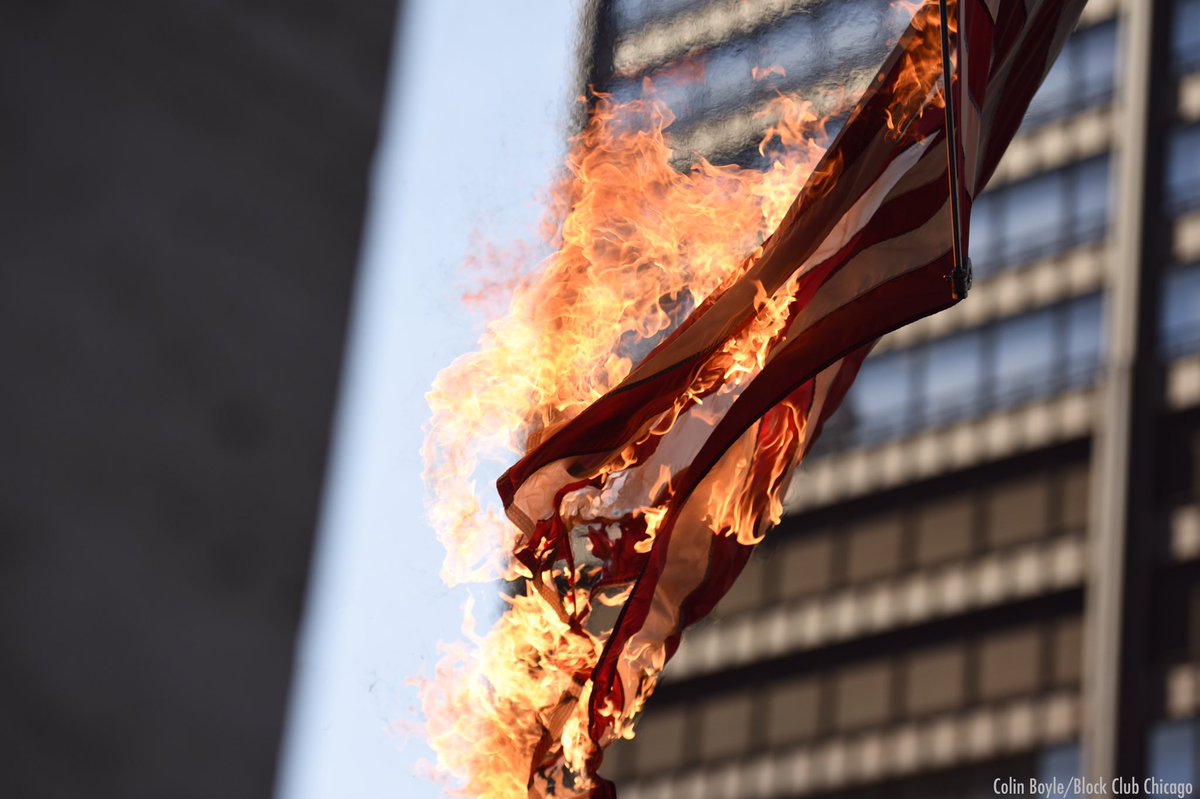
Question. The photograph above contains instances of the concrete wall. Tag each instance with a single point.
(181, 200)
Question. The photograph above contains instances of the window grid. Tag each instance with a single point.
(1183, 170)
(990, 668)
(1058, 516)
(1001, 238)
(632, 14)
(795, 42)
(1083, 77)
(862, 421)
(1179, 323)
(1185, 36)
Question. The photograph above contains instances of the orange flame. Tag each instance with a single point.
(758, 73)
(637, 245)
(921, 67)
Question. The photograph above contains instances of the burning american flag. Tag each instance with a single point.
(669, 366)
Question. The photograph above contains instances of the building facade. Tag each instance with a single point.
(183, 197)
(990, 569)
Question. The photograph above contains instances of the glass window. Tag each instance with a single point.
(726, 75)
(682, 86)
(1098, 62)
(1055, 90)
(1085, 340)
(969, 373)
(1082, 76)
(625, 91)
(1091, 192)
(1034, 214)
(849, 29)
(1061, 764)
(1174, 752)
(1180, 320)
(953, 380)
(802, 44)
(880, 399)
(794, 46)
(1024, 363)
(1022, 221)
(1185, 35)
(983, 234)
(1183, 169)
(632, 13)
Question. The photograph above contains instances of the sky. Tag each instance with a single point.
(475, 127)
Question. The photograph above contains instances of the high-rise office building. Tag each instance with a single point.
(990, 568)
(184, 190)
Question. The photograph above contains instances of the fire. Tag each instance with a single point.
(758, 73)
(637, 245)
(920, 78)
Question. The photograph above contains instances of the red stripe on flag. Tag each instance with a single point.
(876, 272)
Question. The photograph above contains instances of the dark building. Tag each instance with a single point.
(991, 568)
(180, 209)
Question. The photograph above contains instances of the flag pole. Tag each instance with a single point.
(960, 276)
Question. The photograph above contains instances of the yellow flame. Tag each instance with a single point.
(636, 244)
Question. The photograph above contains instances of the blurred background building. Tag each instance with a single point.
(182, 199)
(991, 566)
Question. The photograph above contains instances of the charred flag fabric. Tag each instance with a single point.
(653, 497)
